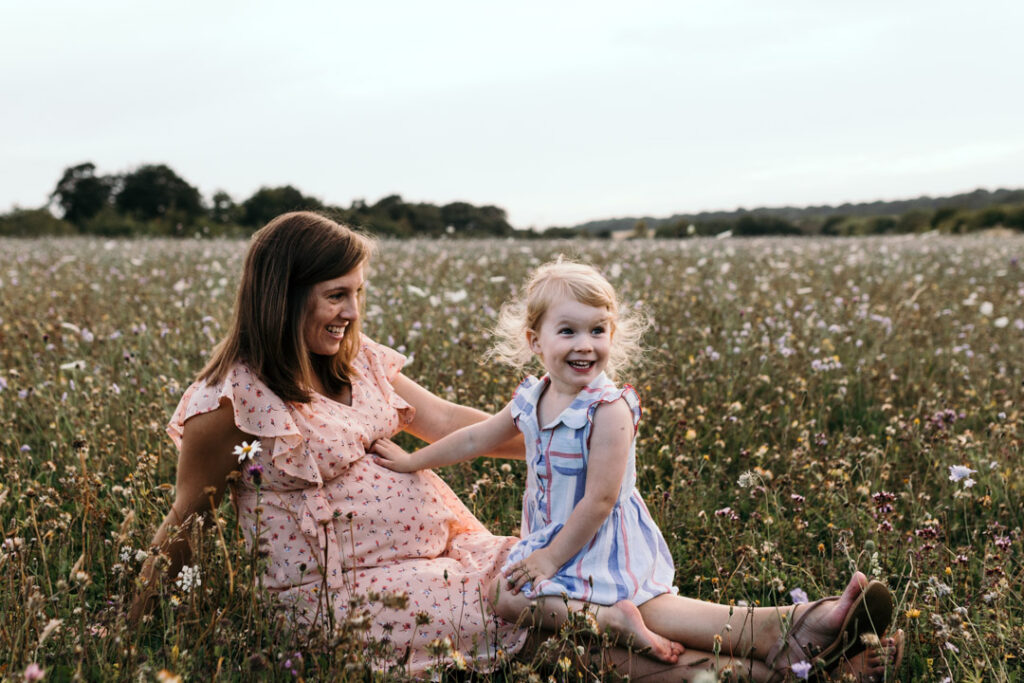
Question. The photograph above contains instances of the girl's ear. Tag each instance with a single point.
(533, 341)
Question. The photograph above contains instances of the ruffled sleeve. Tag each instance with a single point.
(612, 394)
(258, 412)
(523, 398)
(380, 366)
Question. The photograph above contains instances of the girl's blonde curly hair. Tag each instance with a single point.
(581, 283)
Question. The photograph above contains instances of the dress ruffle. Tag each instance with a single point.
(328, 515)
(260, 413)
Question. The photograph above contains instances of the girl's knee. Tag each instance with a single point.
(507, 607)
(510, 607)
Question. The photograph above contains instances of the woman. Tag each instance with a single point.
(295, 373)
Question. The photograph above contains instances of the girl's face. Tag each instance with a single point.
(573, 343)
(331, 307)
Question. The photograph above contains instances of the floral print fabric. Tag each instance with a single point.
(329, 516)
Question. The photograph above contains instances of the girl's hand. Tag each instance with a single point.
(388, 454)
(532, 569)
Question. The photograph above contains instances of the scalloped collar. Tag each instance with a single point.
(575, 414)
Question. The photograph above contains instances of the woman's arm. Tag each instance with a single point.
(606, 466)
(436, 418)
(467, 443)
(205, 461)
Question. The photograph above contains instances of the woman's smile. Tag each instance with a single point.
(333, 304)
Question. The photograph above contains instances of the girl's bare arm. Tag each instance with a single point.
(437, 418)
(466, 443)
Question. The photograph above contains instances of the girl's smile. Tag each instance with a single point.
(573, 343)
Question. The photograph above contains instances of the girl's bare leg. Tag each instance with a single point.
(622, 620)
(742, 631)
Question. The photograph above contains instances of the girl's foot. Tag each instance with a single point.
(625, 621)
(875, 664)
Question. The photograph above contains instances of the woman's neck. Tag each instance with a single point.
(343, 395)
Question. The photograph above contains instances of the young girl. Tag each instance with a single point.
(586, 531)
(587, 534)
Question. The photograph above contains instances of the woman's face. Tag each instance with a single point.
(331, 307)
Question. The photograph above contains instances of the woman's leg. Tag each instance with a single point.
(871, 666)
(626, 662)
(621, 620)
(706, 621)
(689, 665)
(745, 631)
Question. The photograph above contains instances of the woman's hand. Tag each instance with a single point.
(388, 454)
(534, 568)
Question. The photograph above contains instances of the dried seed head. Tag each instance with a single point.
(870, 640)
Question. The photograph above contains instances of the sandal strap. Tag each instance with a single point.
(789, 643)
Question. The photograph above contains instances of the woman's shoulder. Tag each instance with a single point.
(375, 359)
(257, 409)
(204, 395)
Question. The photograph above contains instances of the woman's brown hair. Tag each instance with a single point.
(286, 258)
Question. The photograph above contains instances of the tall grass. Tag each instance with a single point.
(804, 401)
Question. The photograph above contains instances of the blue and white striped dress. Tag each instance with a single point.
(628, 557)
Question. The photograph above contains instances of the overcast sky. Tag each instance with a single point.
(559, 112)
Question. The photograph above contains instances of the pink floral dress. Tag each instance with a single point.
(328, 515)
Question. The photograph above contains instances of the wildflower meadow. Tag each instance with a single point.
(811, 407)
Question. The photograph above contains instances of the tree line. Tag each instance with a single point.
(153, 200)
(967, 212)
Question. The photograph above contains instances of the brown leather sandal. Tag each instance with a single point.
(871, 612)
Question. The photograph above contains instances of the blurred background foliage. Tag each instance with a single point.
(154, 201)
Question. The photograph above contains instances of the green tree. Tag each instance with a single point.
(426, 219)
(81, 194)
(269, 202)
(750, 224)
(224, 209)
(915, 220)
(465, 219)
(881, 225)
(154, 191)
(33, 223)
(1015, 218)
(943, 216)
(834, 225)
(458, 217)
(990, 217)
(390, 216)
